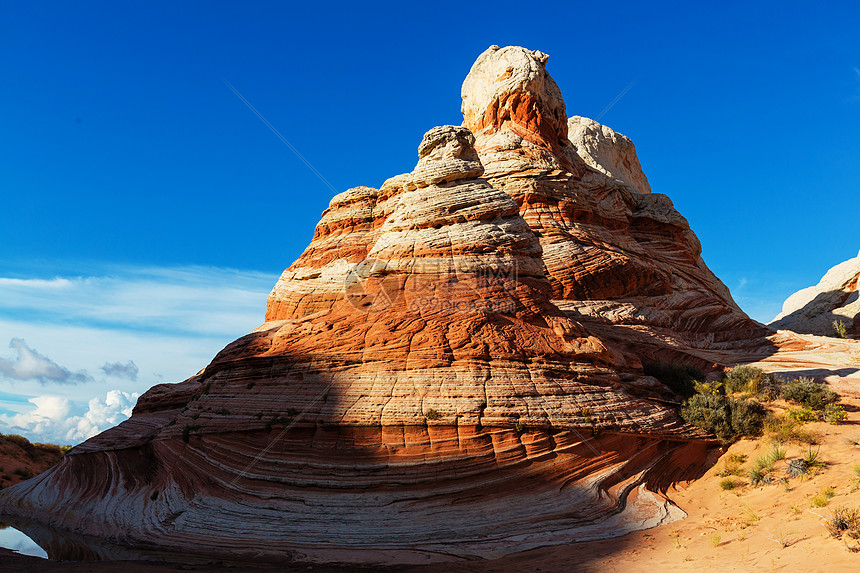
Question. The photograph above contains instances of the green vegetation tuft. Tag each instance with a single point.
(822, 498)
(811, 459)
(729, 483)
(732, 466)
(786, 429)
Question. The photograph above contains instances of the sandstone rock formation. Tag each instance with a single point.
(610, 153)
(451, 370)
(836, 298)
(614, 256)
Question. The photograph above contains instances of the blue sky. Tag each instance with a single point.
(127, 165)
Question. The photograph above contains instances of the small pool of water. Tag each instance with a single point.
(11, 538)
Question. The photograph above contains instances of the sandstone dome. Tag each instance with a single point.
(451, 370)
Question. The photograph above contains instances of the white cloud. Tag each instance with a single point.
(129, 327)
(191, 300)
(54, 418)
(30, 365)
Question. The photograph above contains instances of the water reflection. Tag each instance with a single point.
(31, 538)
(11, 538)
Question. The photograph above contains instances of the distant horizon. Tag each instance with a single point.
(148, 211)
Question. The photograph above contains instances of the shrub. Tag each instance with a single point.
(747, 417)
(770, 387)
(806, 392)
(840, 329)
(744, 379)
(726, 418)
(677, 377)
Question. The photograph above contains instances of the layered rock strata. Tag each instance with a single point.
(617, 257)
(451, 370)
(835, 299)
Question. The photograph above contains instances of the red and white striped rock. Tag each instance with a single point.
(451, 370)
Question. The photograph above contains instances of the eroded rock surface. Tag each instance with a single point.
(451, 370)
(607, 151)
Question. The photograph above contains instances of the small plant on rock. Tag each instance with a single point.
(840, 329)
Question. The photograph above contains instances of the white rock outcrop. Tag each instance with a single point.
(813, 310)
(607, 151)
